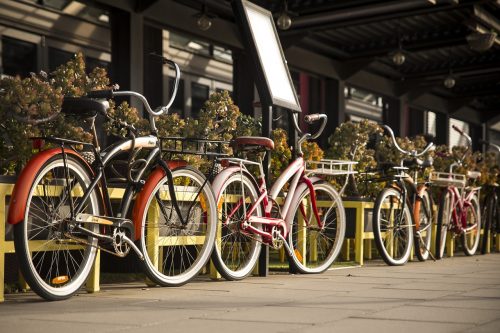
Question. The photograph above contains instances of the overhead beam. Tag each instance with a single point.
(142, 5)
(486, 18)
(358, 12)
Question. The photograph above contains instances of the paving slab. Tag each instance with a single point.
(460, 294)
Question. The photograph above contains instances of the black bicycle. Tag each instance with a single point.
(62, 212)
(402, 214)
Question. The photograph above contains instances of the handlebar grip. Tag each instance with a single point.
(311, 118)
(457, 129)
(101, 94)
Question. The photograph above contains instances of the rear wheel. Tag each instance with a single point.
(392, 227)
(423, 236)
(54, 258)
(315, 248)
(445, 215)
(472, 232)
(175, 252)
(236, 251)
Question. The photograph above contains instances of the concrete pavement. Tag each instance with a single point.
(460, 294)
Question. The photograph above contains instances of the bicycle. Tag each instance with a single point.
(402, 213)
(459, 211)
(491, 213)
(310, 223)
(62, 213)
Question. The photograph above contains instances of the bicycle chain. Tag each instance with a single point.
(82, 241)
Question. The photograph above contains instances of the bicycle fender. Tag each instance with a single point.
(221, 177)
(300, 188)
(141, 200)
(19, 198)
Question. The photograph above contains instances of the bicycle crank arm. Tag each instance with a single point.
(110, 239)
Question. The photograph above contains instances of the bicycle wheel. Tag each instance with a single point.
(487, 218)
(443, 222)
(472, 232)
(423, 235)
(54, 260)
(392, 227)
(174, 252)
(313, 248)
(236, 252)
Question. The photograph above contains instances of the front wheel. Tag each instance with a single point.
(314, 246)
(175, 249)
(55, 259)
(236, 251)
(472, 232)
(423, 236)
(444, 222)
(392, 227)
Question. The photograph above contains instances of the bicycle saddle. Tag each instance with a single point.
(83, 107)
(416, 162)
(252, 143)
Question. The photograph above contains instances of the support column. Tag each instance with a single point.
(127, 61)
(442, 128)
(396, 115)
(243, 82)
(153, 67)
(334, 108)
(416, 122)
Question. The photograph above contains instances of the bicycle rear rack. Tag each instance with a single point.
(330, 167)
(445, 179)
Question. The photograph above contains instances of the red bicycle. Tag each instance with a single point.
(459, 210)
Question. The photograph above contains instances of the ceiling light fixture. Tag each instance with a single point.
(284, 20)
(204, 18)
(449, 81)
(481, 41)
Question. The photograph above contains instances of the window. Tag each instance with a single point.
(361, 104)
(18, 57)
(430, 123)
(455, 139)
(199, 94)
(58, 57)
(189, 44)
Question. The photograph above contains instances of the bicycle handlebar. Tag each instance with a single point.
(487, 143)
(467, 137)
(110, 93)
(410, 153)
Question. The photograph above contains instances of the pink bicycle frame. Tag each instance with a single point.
(463, 201)
(295, 176)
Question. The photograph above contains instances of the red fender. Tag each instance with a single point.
(147, 189)
(19, 198)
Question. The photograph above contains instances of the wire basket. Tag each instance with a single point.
(446, 179)
(330, 167)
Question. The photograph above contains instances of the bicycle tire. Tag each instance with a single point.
(175, 253)
(488, 210)
(423, 236)
(470, 238)
(51, 263)
(443, 223)
(313, 250)
(401, 235)
(236, 252)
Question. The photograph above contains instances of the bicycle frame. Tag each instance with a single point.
(293, 174)
(460, 201)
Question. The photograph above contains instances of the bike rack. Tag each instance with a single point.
(445, 179)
